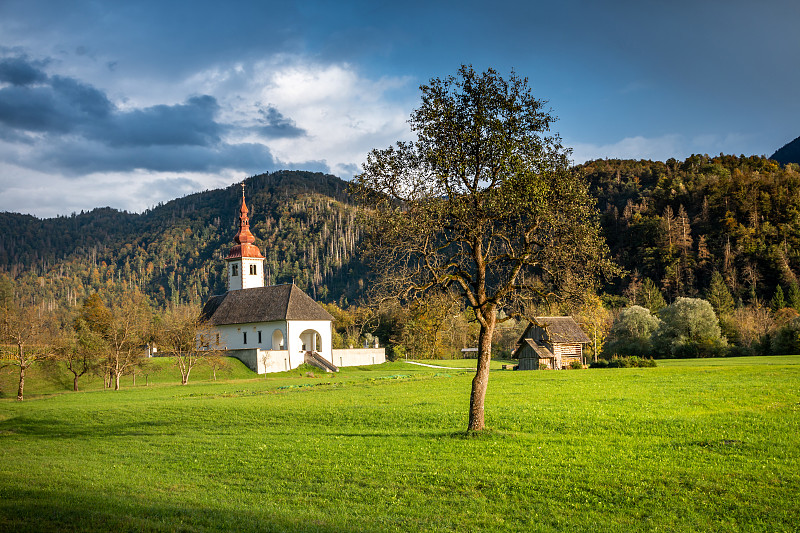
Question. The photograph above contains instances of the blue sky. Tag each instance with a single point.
(131, 103)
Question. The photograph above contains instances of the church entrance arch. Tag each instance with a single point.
(277, 340)
(311, 340)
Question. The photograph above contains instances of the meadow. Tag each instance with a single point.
(692, 445)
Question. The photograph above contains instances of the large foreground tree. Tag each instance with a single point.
(483, 204)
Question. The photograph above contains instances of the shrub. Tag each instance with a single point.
(624, 362)
(689, 328)
(787, 339)
(630, 334)
(575, 365)
(396, 352)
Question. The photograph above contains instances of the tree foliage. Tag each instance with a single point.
(631, 333)
(787, 338)
(26, 336)
(719, 296)
(688, 328)
(182, 335)
(482, 203)
(678, 222)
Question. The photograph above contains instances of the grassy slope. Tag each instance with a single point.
(691, 445)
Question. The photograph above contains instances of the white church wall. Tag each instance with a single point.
(245, 273)
(359, 356)
(262, 361)
(273, 361)
(295, 340)
(232, 337)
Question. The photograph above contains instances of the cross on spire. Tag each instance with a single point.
(244, 239)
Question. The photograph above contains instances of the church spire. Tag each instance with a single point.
(244, 240)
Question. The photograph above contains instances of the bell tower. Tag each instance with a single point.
(245, 263)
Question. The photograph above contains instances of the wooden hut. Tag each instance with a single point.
(550, 342)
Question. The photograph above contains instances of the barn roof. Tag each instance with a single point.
(562, 329)
(262, 304)
(541, 351)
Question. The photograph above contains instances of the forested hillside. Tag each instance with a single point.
(673, 222)
(679, 222)
(302, 222)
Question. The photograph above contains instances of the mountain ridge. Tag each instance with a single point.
(788, 153)
(674, 222)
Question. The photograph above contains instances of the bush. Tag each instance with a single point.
(787, 339)
(630, 334)
(575, 365)
(396, 352)
(689, 328)
(624, 362)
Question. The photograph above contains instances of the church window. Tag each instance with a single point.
(244, 333)
(253, 270)
(234, 270)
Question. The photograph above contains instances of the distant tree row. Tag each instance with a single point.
(108, 335)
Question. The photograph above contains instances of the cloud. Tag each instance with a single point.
(638, 147)
(76, 129)
(54, 104)
(231, 121)
(188, 124)
(45, 194)
(278, 126)
(20, 71)
(80, 157)
(664, 147)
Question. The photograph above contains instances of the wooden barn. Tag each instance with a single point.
(550, 342)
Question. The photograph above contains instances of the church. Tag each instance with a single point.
(271, 328)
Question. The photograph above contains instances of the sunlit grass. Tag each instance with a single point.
(704, 445)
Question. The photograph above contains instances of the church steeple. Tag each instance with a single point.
(245, 262)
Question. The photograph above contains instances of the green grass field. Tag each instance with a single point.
(698, 445)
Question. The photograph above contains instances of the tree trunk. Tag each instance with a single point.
(481, 379)
(75, 383)
(21, 382)
(117, 376)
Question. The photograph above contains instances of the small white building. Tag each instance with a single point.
(275, 328)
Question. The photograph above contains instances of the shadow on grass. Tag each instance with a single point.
(31, 510)
(487, 434)
(56, 428)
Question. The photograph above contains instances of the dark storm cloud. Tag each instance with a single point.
(277, 126)
(19, 71)
(35, 102)
(101, 137)
(189, 124)
(77, 158)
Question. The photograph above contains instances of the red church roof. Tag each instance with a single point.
(244, 246)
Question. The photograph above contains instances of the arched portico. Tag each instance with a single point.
(311, 341)
(278, 342)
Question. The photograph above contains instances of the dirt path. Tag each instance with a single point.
(437, 366)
